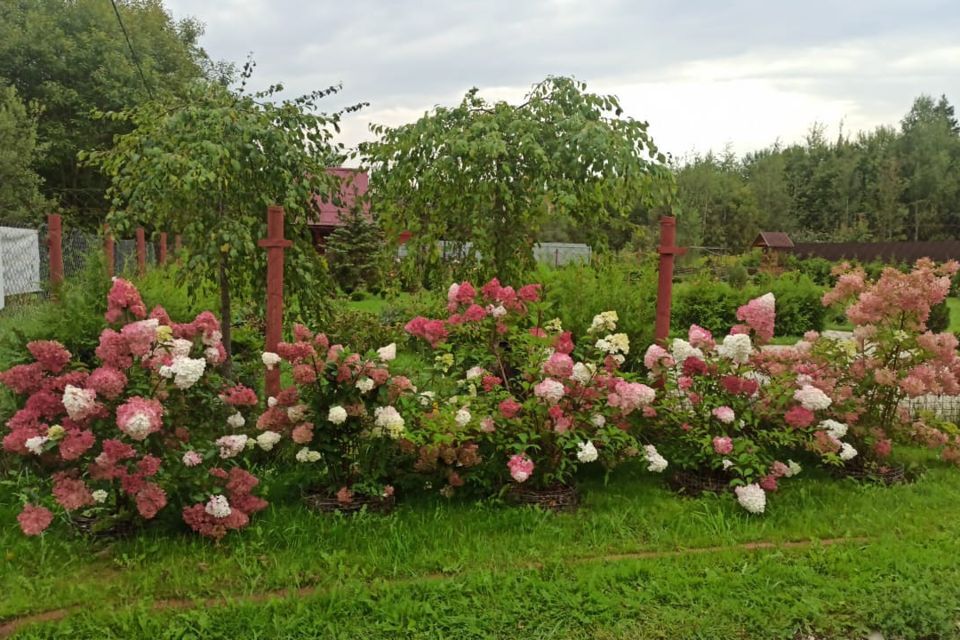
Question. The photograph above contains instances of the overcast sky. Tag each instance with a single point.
(704, 73)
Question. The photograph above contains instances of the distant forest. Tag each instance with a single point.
(892, 183)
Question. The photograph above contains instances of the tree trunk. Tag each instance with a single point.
(226, 319)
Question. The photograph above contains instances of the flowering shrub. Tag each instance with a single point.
(891, 357)
(720, 415)
(121, 442)
(532, 402)
(343, 416)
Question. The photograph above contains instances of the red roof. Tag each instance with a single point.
(353, 185)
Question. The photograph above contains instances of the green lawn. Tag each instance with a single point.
(635, 562)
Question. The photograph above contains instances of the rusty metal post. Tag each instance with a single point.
(162, 257)
(108, 250)
(177, 243)
(275, 244)
(141, 252)
(668, 250)
(55, 246)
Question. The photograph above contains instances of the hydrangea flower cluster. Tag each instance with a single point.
(97, 445)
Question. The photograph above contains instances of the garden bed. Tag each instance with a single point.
(555, 498)
(325, 502)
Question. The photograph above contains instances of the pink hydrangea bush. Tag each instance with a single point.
(522, 392)
(343, 421)
(891, 358)
(720, 414)
(131, 435)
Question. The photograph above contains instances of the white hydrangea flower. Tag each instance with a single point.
(180, 347)
(598, 420)
(306, 455)
(812, 398)
(586, 451)
(793, 468)
(681, 350)
(752, 497)
(583, 372)
(270, 359)
(834, 428)
(365, 384)
(614, 343)
(657, 462)
(389, 422)
(211, 354)
(78, 402)
(268, 439)
(187, 371)
(35, 444)
(212, 339)
(553, 326)
(727, 463)
(387, 353)
(231, 446)
(337, 414)
(475, 372)
(847, 452)
(271, 402)
(605, 321)
(426, 398)
(99, 496)
(138, 426)
(297, 412)
(218, 507)
(236, 420)
(736, 348)
(463, 417)
(497, 311)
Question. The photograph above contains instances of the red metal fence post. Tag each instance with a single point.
(55, 246)
(141, 252)
(668, 249)
(162, 258)
(108, 253)
(274, 243)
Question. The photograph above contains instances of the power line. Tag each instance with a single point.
(133, 53)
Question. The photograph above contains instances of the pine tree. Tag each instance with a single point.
(353, 253)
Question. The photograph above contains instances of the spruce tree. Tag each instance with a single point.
(353, 253)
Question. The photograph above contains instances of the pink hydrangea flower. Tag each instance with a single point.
(34, 520)
(723, 445)
(239, 396)
(51, 355)
(799, 417)
(630, 396)
(521, 467)
(509, 408)
(563, 343)
(700, 338)
(549, 390)
(759, 314)
(139, 417)
(150, 500)
(529, 292)
(432, 331)
(71, 493)
(559, 365)
(107, 382)
(724, 414)
(192, 459)
(124, 296)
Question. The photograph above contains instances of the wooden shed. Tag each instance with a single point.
(773, 240)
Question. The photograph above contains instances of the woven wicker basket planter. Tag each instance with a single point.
(886, 475)
(325, 503)
(693, 484)
(93, 527)
(555, 498)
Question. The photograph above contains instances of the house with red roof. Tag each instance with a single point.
(330, 215)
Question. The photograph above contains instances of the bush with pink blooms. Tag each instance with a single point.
(342, 420)
(522, 395)
(891, 359)
(719, 415)
(141, 433)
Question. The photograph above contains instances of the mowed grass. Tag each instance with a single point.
(450, 569)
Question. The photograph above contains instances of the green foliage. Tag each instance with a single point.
(576, 293)
(70, 58)
(737, 276)
(493, 174)
(355, 254)
(713, 305)
(939, 319)
(817, 269)
(361, 330)
(20, 199)
(209, 166)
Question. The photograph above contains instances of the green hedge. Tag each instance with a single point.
(713, 305)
